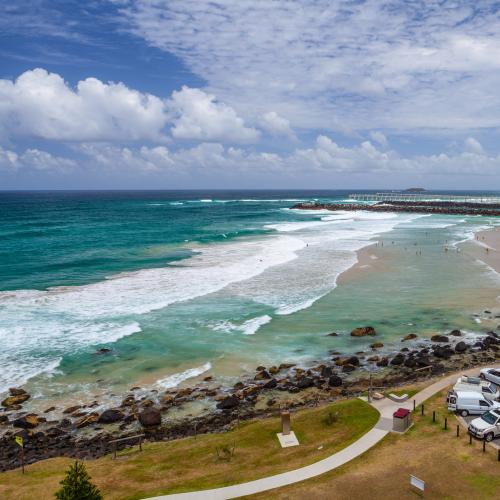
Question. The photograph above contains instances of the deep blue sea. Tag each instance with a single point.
(182, 283)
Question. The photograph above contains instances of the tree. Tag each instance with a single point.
(77, 486)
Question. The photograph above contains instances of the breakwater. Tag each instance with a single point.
(421, 207)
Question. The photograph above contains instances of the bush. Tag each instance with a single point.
(331, 418)
(77, 486)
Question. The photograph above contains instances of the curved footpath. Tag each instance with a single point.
(386, 407)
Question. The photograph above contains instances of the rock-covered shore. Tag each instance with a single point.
(420, 207)
(81, 431)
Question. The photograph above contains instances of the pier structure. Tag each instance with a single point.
(424, 197)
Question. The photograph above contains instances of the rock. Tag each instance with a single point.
(48, 410)
(373, 359)
(333, 334)
(71, 409)
(14, 391)
(443, 352)
(27, 422)
(410, 336)
(376, 345)
(129, 401)
(4, 419)
(461, 347)
(273, 370)
(103, 350)
(362, 331)
(326, 371)
(228, 403)
(439, 338)
(285, 366)
(405, 349)
(397, 360)
(271, 384)
(410, 362)
(383, 362)
(207, 379)
(353, 360)
(150, 417)
(348, 368)
(260, 368)
(304, 383)
(14, 401)
(334, 381)
(89, 419)
(167, 399)
(238, 386)
(456, 333)
(110, 416)
(262, 374)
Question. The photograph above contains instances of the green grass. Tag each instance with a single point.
(190, 464)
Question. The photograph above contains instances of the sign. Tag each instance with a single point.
(418, 483)
(19, 441)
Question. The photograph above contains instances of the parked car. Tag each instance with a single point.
(470, 403)
(476, 384)
(487, 426)
(491, 374)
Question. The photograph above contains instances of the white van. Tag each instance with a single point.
(475, 384)
(470, 403)
(487, 426)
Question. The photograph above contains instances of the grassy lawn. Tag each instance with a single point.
(191, 463)
(451, 468)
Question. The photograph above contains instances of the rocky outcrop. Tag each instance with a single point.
(410, 336)
(15, 401)
(334, 381)
(363, 331)
(440, 338)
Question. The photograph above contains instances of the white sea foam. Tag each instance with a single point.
(251, 326)
(177, 378)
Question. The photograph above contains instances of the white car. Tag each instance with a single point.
(491, 374)
(487, 426)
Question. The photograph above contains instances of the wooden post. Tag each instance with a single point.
(484, 445)
(414, 405)
(470, 438)
(22, 458)
(458, 430)
(422, 410)
(499, 455)
(140, 444)
(114, 451)
(285, 423)
(434, 416)
(445, 423)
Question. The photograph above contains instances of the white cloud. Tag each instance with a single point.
(378, 137)
(333, 64)
(42, 104)
(277, 125)
(473, 145)
(34, 159)
(326, 157)
(197, 115)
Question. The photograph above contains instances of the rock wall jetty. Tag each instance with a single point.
(420, 207)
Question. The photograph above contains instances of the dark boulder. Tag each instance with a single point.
(262, 375)
(228, 403)
(150, 417)
(333, 334)
(110, 416)
(456, 333)
(271, 384)
(461, 347)
(334, 381)
(439, 338)
(398, 360)
(26, 422)
(326, 371)
(383, 362)
(304, 383)
(410, 336)
(347, 368)
(14, 391)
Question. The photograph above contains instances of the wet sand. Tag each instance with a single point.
(489, 245)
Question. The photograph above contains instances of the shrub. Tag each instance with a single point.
(77, 485)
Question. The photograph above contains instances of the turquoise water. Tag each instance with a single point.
(180, 284)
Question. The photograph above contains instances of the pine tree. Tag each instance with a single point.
(77, 486)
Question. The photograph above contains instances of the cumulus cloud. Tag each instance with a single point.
(332, 64)
(325, 157)
(42, 104)
(378, 137)
(473, 145)
(277, 125)
(34, 159)
(197, 115)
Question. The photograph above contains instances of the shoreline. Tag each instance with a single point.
(489, 241)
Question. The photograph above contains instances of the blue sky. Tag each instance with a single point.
(251, 94)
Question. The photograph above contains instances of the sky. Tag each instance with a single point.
(185, 94)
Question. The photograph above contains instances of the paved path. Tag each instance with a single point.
(385, 407)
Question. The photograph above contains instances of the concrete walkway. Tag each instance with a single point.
(386, 407)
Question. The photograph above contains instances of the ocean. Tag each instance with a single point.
(185, 284)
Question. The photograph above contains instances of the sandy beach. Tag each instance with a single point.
(490, 252)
